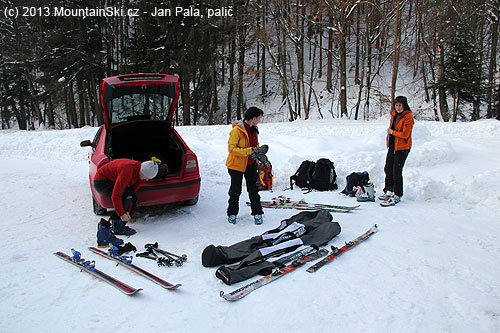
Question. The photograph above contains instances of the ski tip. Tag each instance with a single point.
(135, 292)
(174, 287)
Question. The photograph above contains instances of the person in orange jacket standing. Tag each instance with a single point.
(398, 142)
(243, 144)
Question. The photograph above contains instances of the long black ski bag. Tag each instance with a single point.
(253, 256)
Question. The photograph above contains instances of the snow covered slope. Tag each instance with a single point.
(433, 266)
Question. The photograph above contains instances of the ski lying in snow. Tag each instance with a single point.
(277, 273)
(286, 203)
(338, 251)
(282, 199)
(89, 267)
(127, 262)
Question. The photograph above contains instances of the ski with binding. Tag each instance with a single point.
(126, 261)
(276, 274)
(339, 251)
(89, 267)
(286, 203)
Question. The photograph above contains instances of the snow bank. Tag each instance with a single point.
(432, 267)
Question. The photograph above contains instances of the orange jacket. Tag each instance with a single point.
(239, 148)
(402, 131)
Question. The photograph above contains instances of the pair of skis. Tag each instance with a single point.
(126, 261)
(279, 272)
(282, 202)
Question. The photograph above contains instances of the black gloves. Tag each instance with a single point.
(262, 150)
(259, 154)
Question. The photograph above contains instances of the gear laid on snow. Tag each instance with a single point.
(319, 175)
(368, 193)
(338, 251)
(105, 235)
(354, 180)
(126, 261)
(121, 249)
(173, 258)
(286, 203)
(89, 267)
(253, 256)
(295, 261)
(120, 228)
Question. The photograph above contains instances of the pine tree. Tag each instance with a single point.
(463, 70)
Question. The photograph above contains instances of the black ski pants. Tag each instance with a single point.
(251, 177)
(129, 199)
(393, 169)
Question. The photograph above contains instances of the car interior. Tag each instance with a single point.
(141, 139)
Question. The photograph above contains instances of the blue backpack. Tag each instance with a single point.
(355, 179)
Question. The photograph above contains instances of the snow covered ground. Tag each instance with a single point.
(434, 265)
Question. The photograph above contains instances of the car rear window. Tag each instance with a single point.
(139, 106)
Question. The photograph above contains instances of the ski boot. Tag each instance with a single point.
(258, 219)
(105, 236)
(368, 194)
(233, 219)
(120, 228)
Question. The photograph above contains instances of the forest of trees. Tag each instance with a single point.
(50, 67)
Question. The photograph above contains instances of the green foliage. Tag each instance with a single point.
(463, 70)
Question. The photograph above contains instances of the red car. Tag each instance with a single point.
(138, 111)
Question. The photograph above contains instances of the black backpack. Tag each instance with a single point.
(318, 175)
(302, 176)
(355, 179)
(324, 176)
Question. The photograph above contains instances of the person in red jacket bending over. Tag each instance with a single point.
(120, 179)
(398, 142)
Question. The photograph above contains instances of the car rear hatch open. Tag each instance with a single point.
(138, 110)
(139, 96)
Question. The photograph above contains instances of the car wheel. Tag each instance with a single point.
(190, 202)
(98, 210)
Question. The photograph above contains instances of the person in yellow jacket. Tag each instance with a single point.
(398, 143)
(242, 145)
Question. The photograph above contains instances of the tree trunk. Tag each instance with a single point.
(33, 92)
(263, 60)
(95, 103)
(455, 105)
(443, 104)
(492, 65)
(241, 64)
(232, 49)
(358, 44)
(343, 66)
(395, 54)
(186, 98)
(329, 65)
(50, 113)
(81, 100)
(72, 106)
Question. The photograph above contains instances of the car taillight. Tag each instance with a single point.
(191, 165)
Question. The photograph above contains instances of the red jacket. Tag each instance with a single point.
(402, 131)
(124, 173)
